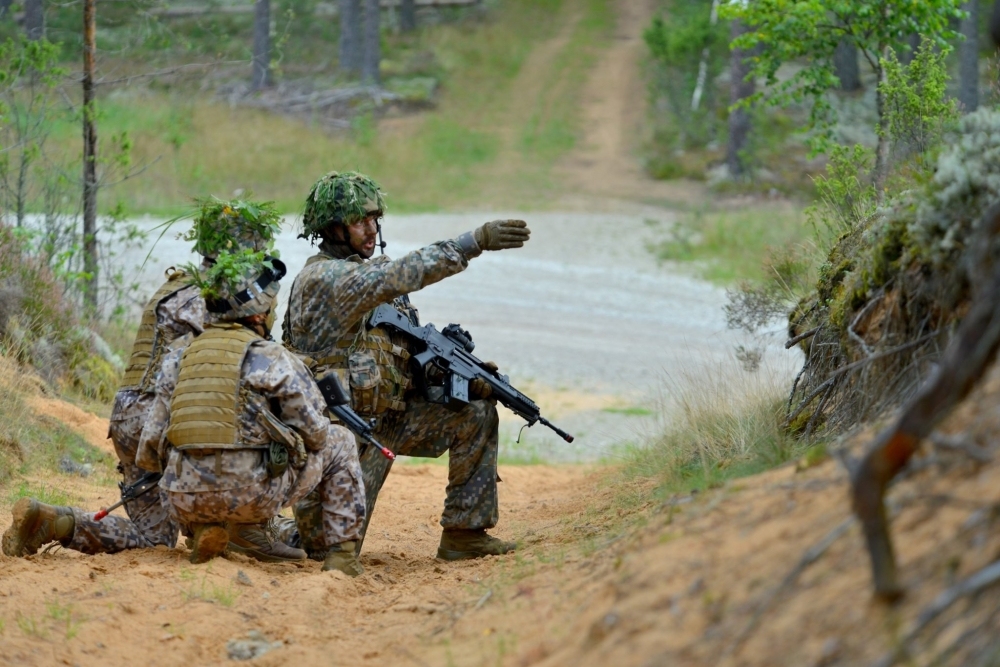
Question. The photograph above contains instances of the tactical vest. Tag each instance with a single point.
(206, 404)
(147, 351)
(373, 360)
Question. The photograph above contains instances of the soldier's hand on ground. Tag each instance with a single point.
(480, 388)
(502, 234)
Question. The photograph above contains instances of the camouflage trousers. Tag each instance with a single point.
(331, 478)
(149, 523)
(429, 430)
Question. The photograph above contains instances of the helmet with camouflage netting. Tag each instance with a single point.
(340, 198)
(221, 226)
(240, 284)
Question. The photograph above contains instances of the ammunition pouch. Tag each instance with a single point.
(276, 460)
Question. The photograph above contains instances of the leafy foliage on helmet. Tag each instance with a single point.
(224, 226)
(231, 272)
(340, 198)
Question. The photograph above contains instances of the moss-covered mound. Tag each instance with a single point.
(893, 288)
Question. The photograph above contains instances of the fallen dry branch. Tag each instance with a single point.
(961, 443)
(843, 370)
(811, 555)
(801, 337)
(984, 578)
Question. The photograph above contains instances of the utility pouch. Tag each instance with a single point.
(293, 450)
(277, 460)
(364, 380)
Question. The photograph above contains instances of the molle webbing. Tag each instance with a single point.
(141, 370)
(205, 406)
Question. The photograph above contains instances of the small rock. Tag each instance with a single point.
(600, 629)
(254, 646)
(697, 586)
(265, 595)
(71, 467)
(274, 582)
(830, 653)
(243, 579)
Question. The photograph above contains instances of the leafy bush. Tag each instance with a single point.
(678, 46)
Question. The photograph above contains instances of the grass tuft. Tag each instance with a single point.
(730, 246)
(717, 425)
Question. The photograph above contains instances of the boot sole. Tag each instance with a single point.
(25, 514)
(260, 555)
(208, 544)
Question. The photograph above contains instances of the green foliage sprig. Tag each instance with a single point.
(918, 110)
(221, 226)
(230, 272)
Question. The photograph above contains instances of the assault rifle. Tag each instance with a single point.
(449, 352)
(339, 404)
(142, 486)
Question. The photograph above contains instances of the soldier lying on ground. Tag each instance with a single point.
(176, 309)
(240, 430)
(325, 325)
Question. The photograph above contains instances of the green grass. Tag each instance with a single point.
(729, 246)
(633, 411)
(43, 492)
(721, 424)
(488, 141)
(202, 589)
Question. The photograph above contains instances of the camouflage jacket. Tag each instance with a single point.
(269, 372)
(182, 313)
(329, 297)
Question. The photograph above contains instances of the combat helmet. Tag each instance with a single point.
(241, 284)
(340, 198)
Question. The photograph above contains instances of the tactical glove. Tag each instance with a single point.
(502, 234)
(480, 388)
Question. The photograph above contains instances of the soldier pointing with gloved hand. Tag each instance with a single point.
(326, 325)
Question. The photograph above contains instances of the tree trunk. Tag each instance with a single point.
(905, 55)
(34, 19)
(90, 266)
(845, 62)
(968, 67)
(372, 55)
(995, 24)
(880, 172)
(350, 36)
(740, 88)
(407, 15)
(261, 44)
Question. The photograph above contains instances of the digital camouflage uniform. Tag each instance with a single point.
(180, 311)
(329, 300)
(214, 486)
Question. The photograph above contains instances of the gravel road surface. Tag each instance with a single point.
(582, 318)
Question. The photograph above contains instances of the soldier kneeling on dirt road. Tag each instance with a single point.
(326, 325)
(239, 427)
(176, 309)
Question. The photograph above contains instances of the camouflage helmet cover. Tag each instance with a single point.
(254, 292)
(340, 198)
(226, 226)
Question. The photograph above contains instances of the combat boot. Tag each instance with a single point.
(209, 541)
(260, 541)
(35, 524)
(343, 557)
(460, 543)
